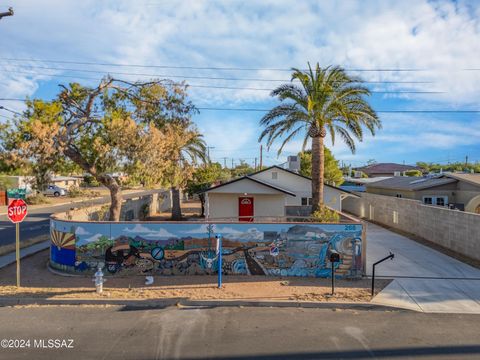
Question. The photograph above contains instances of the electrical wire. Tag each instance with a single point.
(216, 68)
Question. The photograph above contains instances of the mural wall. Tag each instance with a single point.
(282, 249)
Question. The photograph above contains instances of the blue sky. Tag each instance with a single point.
(439, 38)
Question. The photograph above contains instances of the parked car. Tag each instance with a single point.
(55, 191)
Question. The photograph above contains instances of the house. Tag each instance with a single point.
(456, 190)
(386, 169)
(358, 184)
(271, 192)
(65, 182)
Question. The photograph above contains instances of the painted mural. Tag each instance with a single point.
(281, 249)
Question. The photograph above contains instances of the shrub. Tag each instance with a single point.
(37, 199)
(413, 173)
(325, 215)
(75, 191)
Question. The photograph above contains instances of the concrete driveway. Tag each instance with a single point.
(425, 279)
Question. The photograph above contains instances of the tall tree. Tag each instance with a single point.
(105, 128)
(203, 178)
(187, 150)
(333, 174)
(326, 101)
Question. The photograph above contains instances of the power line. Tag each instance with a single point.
(220, 87)
(266, 110)
(190, 76)
(229, 68)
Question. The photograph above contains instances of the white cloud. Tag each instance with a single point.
(81, 231)
(148, 232)
(440, 36)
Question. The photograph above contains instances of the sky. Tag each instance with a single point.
(414, 55)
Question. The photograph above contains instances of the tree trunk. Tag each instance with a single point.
(202, 202)
(176, 208)
(318, 172)
(116, 201)
(106, 180)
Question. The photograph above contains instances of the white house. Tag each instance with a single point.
(271, 192)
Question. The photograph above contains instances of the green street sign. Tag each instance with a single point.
(16, 193)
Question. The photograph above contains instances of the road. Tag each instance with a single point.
(238, 333)
(253, 266)
(37, 222)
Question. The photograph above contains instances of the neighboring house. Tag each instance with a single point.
(358, 184)
(66, 182)
(386, 169)
(272, 192)
(456, 190)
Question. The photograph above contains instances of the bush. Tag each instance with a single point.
(75, 191)
(37, 199)
(413, 173)
(89, 181)
(325, 215)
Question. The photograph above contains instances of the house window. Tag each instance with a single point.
(304, 201)
(399, 195)
(274, 175)
(310, 201)
(427, 200)
(435, 200)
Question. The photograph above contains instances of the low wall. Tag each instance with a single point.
(137, 208)
(188, 248)
(452, 229)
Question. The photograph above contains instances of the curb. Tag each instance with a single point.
(180, 302)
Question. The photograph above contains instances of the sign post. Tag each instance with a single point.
(219, 254)
(16, 212)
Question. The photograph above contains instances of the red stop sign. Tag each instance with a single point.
(17, 210)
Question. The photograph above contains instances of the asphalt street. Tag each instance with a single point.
(37, 221)
(235, 333)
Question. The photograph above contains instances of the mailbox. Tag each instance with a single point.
(334, 256)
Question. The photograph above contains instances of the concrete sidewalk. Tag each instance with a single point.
(429, 280)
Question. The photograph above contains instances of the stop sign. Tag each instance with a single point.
(17, 210)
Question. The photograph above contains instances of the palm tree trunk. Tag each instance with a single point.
(318, 171)
(176, 208)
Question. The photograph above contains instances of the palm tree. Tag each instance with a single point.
(188, 151)
(327, 101)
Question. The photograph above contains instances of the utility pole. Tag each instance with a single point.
(255, 164)
(225, 162)
(8, 13)
(466, 162)
(208, 152)
(232, 163)
(261, 157)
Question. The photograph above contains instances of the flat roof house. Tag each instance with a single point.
(457, 190)
(271, 192)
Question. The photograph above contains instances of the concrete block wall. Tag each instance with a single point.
(455, 230)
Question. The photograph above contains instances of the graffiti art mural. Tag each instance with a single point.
(280, 249)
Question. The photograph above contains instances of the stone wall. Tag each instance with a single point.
(452, 229)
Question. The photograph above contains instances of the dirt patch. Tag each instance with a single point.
(38, 282)
(191, 210)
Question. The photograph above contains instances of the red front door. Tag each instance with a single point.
(245, 209)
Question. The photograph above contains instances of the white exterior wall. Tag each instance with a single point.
(300, 186)
(225, 205)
